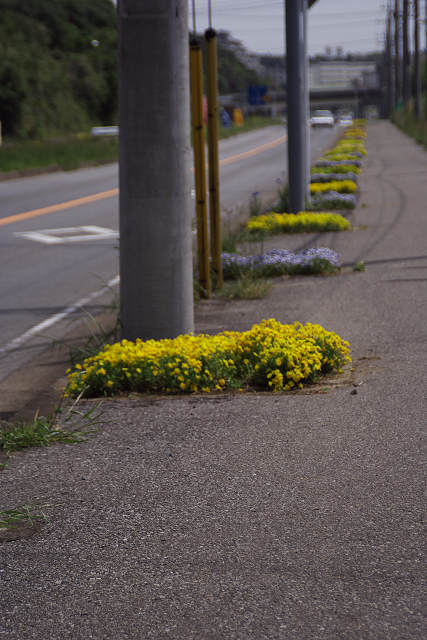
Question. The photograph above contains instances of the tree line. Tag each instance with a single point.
(58, 67)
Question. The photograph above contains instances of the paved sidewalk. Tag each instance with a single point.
(254, 516)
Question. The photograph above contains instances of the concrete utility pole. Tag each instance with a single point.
(297, 116)
(155, 198)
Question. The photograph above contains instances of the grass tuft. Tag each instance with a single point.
(26, 514)
(359, 266)
(247, 287)
(44, 431)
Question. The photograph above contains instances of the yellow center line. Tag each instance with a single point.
(35, 213)
(253, 152)
(17, 217)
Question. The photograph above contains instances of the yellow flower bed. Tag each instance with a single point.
(355, 132)
(348, 148)
(340, 186)
(334, 155)
(271, 355)
(297, 222)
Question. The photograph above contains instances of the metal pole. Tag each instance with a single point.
(417, 66)
(155, 190)
(214, 192)
(306, 100)
(397, 68)
(389, 67)
(425, 59)
(196, 78)
(295, 66)
(406, 79)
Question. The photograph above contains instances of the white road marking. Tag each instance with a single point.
(57, 317)
(68, 234)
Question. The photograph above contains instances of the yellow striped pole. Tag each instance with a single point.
(196, 82)
(214, 192)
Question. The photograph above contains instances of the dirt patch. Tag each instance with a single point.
(19, 531)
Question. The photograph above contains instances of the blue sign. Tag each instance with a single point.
(257, 93)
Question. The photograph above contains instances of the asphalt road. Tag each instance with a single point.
(40, 279)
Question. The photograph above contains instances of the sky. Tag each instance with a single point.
(354, 25)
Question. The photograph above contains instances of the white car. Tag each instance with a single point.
(322, 118)
(345, 120)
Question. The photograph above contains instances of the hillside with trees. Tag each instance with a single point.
(58, 67)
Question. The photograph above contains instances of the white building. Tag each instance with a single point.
(342, 74)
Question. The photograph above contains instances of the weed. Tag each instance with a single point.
(255, 204)
(247, 287)
(98, 338)
(282, 203)
(359, 266)
(25, 514)
(231, 238)
(42, 432)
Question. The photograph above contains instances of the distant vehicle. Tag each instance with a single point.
(345, 120)
(322, 118)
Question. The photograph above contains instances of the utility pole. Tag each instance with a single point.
(213, 136)
(306, 99)
(155, 199)
(406, 72)
(425, 58)
(397, 68)
(390, 100)
(196, 84)
(417, 66)
(296, 69)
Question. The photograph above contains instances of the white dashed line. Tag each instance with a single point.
(49, 322)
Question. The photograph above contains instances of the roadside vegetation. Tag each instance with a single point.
(411, 125)
(246, 286)
(82, 150)
(333, 183)
(25, 514)
(70, 427)
(279, 262)
(58, 79)
(270, 356)
(302, 222)
(67, 153)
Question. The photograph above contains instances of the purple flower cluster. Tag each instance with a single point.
(280, 261)
(336, 163)
(333, 199)
(328, 177)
